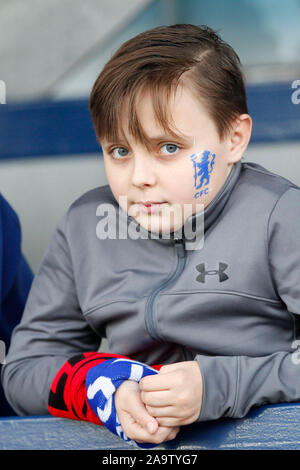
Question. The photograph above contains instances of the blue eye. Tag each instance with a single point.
(119, 152)
(170, 149)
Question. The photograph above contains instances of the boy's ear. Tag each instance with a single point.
(239, 137)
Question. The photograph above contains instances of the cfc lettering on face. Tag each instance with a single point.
(203, 163)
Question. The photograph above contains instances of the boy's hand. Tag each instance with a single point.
(174, 395)
(136, 422)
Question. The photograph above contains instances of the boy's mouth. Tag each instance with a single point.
(150, 206)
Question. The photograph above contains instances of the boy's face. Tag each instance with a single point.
(177, 174)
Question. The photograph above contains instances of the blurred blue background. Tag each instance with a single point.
(51, 52)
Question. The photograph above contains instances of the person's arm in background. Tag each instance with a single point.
(15, 282)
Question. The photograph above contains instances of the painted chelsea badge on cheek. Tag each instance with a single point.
(203, 166)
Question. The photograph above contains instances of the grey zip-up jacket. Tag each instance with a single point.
(233, 305)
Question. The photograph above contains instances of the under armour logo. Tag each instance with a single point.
(212, 272)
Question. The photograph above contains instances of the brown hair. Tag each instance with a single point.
(158, 60)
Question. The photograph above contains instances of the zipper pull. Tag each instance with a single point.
(179, 247)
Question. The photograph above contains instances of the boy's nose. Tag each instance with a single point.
(143, 173)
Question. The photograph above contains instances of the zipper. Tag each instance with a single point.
(181, 257)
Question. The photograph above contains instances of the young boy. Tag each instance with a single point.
(221, 315)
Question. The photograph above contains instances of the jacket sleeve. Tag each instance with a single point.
(234, 384)
(51, 331)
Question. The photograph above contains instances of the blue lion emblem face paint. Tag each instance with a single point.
(203, 166)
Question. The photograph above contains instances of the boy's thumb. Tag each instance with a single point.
(142, 417)
(152, 425)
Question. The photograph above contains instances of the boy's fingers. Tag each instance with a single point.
(143, 418)
(167, 369)
(167, 433)
(168, 421)
(163, 434)
(174, 431)
(170, 368)
(163, 411)
(138, 434)
(159, 398)
(155, 382)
